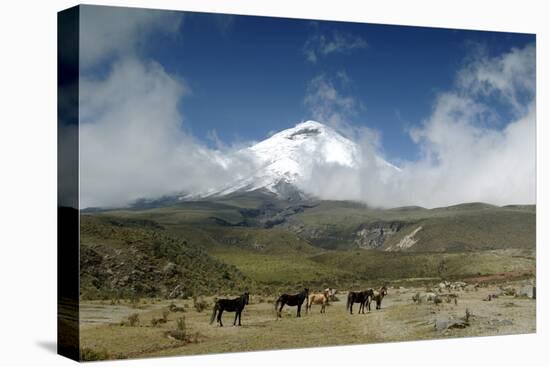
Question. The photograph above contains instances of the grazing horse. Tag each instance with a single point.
(358, 297)
(377, 296)
(230, 305)
(318, 299)
(291, 300)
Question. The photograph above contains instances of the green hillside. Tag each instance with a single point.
(254, 240)
(134, 258)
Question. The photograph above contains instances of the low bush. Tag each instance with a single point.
(89, 354)
(174, 308)
(200, 304)
(133, 319)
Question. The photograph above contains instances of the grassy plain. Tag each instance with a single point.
(399, 320)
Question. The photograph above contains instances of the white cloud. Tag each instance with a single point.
(464, 158)
(335, 42)
(508, 76)
(327, 103)
(132, 144)
(108, 32)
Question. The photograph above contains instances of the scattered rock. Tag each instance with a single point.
(445, 324)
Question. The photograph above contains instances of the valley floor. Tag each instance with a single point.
(399, 320)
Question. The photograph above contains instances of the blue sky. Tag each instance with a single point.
(168, 99)
(249, 75)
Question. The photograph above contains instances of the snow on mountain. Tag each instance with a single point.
(286, 159)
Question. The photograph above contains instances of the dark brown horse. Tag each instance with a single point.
(230, 305)
(291, 300)
(358, 297)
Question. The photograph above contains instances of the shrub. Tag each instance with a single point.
(509, 291)
(133, 319)
(89, 354)
(467, 316)
(200, 305)
(161, 320)
(181, 324)
(174, 308)
(135, 301)
(181, 332)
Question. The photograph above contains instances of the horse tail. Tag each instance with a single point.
(277, 303)
(216, 308)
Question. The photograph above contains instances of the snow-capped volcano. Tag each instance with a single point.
(285, 160)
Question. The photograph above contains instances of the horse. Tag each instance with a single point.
(318, 299)
(378, 295)
(230, 305)
(358, 297)
(331, 294)
(291, 300)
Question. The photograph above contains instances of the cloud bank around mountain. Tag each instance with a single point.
(133, 141)
(467, 154)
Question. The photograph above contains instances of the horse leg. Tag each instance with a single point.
(281, 309)
(351, 308)
(220, 316)
(240, 317)
(236, 314)
(298, 313)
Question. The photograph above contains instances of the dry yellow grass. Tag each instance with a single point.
(399, 320)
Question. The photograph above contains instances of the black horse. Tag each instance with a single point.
(230, 305)
(359, 297)
(291, 300)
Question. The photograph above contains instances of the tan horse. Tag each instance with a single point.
(378, 296)
(318, 299)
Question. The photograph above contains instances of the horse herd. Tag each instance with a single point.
(364, 298)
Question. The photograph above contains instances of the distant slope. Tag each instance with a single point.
(350, 225)
(465, 227)
(378, 265)
(135, 257)
(258, 241)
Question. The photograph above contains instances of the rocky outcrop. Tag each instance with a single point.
(406, 242)
(374, 235)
